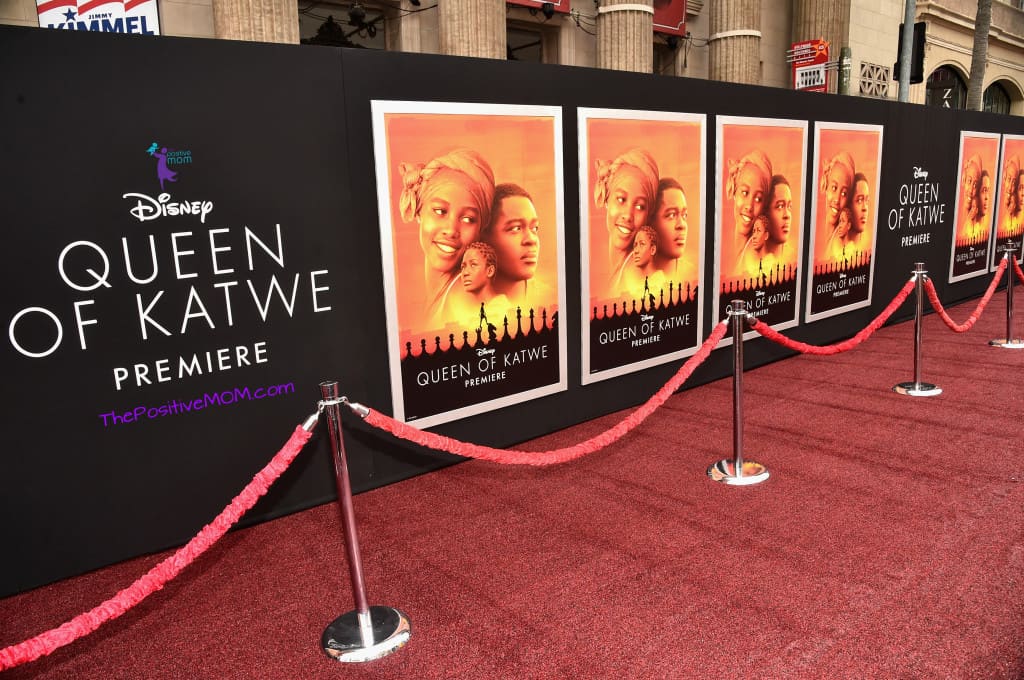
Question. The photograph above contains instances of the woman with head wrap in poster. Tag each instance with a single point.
(449, 198)
(1010, 208)
(836, 187)
(747, 186)
(626, 188)
(971, 217)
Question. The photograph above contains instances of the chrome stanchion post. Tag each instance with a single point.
(1009, 342)
(367, 633)
(918, 388)
(737, 472)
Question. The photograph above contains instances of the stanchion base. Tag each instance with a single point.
(917, 389)
(1012, 343)
(725, 471)
(343, 641)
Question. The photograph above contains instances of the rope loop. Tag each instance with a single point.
(933, 297)
(155, 579)
(555, 456)
(846, 345)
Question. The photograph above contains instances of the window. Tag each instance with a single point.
(341, 24)
(996, 99)
(665, 57)
(525, 44)
(946, 89)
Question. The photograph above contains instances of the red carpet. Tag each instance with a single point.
(888, 543)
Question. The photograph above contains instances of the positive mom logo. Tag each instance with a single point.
(168, 161)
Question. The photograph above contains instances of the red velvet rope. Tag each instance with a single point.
(933, 296)
(773, 335)
(514, 457)
(1016, 268)
(155, 578)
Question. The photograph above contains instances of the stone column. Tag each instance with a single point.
(625, 35)
(258, 20)
(735, 41)
(472, 28)
(829, 20)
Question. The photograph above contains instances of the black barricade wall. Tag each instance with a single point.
(273, 278)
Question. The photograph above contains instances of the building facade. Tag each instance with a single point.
(733, 40)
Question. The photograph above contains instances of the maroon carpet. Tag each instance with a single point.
(887, 544)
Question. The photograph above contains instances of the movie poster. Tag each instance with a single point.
(470, 203)
(641, 214)
(758, 241)
(844, 209)
(1009, 203)
(979, 156)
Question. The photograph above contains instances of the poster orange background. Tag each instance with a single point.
(1012, 148)
(675, 146)
(785, 149)
(863, 146)
(519, 149)
(988, 149)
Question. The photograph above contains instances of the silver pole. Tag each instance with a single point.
(366, 633)
(1009, 293)
(918, 388)
(918, 318)
(329, 392)
(1009, 342)
(737, 472)
(738, 318)
(906, 49)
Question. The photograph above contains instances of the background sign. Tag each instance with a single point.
(103, 16)
(809, 59)
(471, 236)
(846, 184)
(976, 180)
(642, 208)
(758, 235)
(1009, 198)
(560, 6)
(262, 230)
(670, 17)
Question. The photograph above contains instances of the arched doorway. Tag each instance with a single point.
(945, 88)
(996, 99)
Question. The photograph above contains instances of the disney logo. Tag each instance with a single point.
(919, 173)
(481, 352)
(646, 317)
(842, 276)
(149, 208)
(758, 293)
